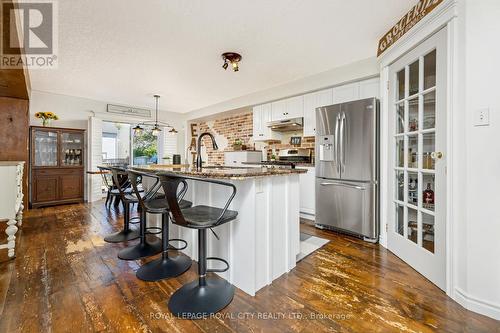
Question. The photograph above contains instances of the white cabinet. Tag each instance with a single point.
(307, 192)
(346, 93)
(355, 91)
(11, 201)
(369, 88)
(261, 116)
(305, 106)
(311, 102)
(238, 158)
(288, 108)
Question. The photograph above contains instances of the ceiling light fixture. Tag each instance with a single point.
(137, 129)
(157, 125)
(232, 58)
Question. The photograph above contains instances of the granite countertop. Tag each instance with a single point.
(219, 172)
(281, 163)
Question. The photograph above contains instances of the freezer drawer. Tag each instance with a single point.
(347, 206)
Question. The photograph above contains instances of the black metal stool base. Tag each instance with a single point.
(193, 301)
(164, 268)
(149, 248)
(122, 236)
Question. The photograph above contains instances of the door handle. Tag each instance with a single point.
(437, 155)
(342, 141)
(336, 144)
(361, 188)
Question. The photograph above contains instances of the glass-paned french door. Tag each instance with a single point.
(417, 97)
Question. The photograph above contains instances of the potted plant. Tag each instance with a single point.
(237, 144)
(46, 117)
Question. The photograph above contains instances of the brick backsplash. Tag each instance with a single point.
(231, 128)
(241, 127)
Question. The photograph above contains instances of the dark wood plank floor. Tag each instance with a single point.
(66, 279)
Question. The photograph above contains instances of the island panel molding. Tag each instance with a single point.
(263, 242)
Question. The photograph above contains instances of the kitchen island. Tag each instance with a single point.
(264, 240)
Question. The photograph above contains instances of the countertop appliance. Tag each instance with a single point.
(347, 168)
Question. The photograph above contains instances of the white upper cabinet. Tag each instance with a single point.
(355, 91)
(311, 102)
(261, 116)
(346, 93)
(288, 108)
(305, 106)
(369, 88)
(257, 122)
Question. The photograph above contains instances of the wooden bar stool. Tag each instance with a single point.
(166, 266)
(207, 295)
(122, 191)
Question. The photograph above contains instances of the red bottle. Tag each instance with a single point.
(428, 195)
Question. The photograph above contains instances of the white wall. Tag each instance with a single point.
(74, 112)
(482, 195)
(353, 72)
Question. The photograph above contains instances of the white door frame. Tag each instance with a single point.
(444, 16)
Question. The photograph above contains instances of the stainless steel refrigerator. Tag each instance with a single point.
(347, 168)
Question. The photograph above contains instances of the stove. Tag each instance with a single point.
(300, 155)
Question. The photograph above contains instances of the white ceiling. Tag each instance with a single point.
(124, 51)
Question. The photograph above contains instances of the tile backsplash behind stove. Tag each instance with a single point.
(229, 128)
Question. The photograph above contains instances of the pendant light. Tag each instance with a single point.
(156, 129)
(157, 125)
(137, 129)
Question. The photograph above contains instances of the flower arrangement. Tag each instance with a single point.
(46, 117)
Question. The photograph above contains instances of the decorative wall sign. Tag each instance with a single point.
(129, 111)
(418, 12)
(295, 140)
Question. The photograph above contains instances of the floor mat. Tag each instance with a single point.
(309, 244)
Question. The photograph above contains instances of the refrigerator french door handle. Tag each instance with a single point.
(344, 185)
(342, 142)
(336, 144)
(344, 139)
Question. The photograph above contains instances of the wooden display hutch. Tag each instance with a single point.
(56, 166)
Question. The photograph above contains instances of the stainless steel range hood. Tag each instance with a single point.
(289, 125)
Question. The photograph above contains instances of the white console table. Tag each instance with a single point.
(11, 201)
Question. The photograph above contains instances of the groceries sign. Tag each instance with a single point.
(418, 12)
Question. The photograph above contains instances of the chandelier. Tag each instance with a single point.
(156, 123)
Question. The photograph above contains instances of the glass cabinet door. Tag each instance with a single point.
(45, 148)
(71, 149)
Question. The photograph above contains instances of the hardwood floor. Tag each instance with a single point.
(66, 278)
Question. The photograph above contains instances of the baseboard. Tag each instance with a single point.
(307, 216)
(473, 304)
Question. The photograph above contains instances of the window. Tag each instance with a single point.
(168, 146)
(108, 146)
